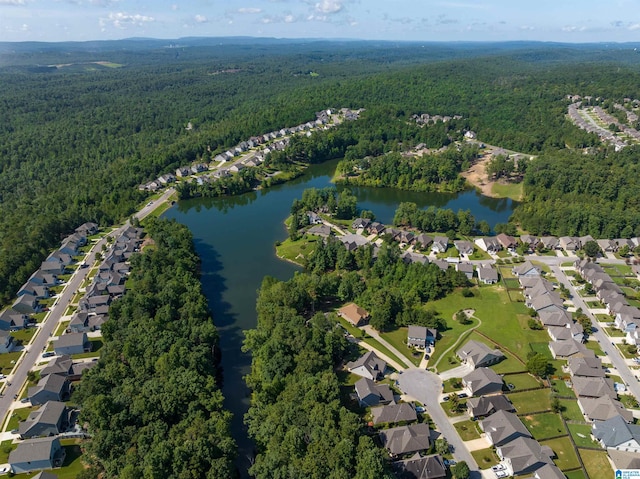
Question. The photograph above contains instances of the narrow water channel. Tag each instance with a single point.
(235, 239)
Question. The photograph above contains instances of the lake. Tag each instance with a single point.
(235, 239)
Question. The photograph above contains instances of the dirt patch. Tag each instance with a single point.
(477, 176)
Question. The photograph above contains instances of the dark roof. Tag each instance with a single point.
(429, 467)
(406, 439)
(33, 450)
(393, 413)
(485, 405)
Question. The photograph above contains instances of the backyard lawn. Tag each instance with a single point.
(577, 474)
(398, 339)
(543, 426)
(596, 463)
(522, 381)
(571, 410)
(562, 389)
(95, 350)
(566, 456)
(468, 430)
(581, 434)
(532, 401)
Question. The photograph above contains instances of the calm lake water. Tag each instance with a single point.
(235, 239)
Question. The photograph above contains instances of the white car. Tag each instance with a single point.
(498, 467)
(501, 474)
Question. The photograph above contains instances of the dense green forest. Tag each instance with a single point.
(152, 403)
(76, 141)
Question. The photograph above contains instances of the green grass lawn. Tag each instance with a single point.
(595, 347)
(596, 463)
(24, 335)
(468, 430)
(571, 410)
(8, 360)
(581, 434)
(61, 328)
(522, 381)
(95, 350)
(508, 190)
(531, 401)
(577, 474)
(628, 401)
(503, 321)
(618, 270)
(566, 454)
(358, 333)
(398, 339)
(453, 384)
(5, 449)
(297, 251)
(544, 426)
(478, 254)
(73, 461)
(614, 332)
(18, 415)
(485, 458)
(562, 389)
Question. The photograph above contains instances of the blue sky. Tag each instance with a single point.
(422, 20)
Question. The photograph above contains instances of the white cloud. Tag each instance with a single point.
(249, 10)
(123, 20)
(13, 2)
(200, 19)
(635, 26)
(573, 28)
(526, 28)
(329, 6)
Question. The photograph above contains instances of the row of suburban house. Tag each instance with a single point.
(276, 140)
(627, 317)
(37, 287)
(518, 451)
(406, 444)
(595, 392)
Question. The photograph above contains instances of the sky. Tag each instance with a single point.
(575, 21)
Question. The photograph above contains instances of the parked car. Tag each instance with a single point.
(420, 409)
(48, 354)
(446, 398)
(463, 395)
(499, 467)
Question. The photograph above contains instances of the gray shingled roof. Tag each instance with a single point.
(615, 431)
(393, 413)
(406, 439)
(32, 450)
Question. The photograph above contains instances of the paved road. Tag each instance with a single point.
(425, 387)
(33, 351)
(605, 342)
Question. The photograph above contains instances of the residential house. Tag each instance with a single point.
(593, 387)
(421, 336)
(486, 405)
(50, 420)
(569, 243)
(236, 168)
(603, 408)
(464, 247)
(323, 231)
(72, 343)
(314, 218)
(507, 242)
(95, 304)
(529, 242)
(359, 223)
(524, 455)
(607, 245)
(49, 388)
(354, 314)
(6, 342)
(482, 382)
(406, 237)
(82, 322)
(572, 331)
(376, 228)
(392, 233)
(418, 467)
(12, 320)
(35, 290)
(488, 244)
(65, 367)
(423, 241)
(547, 303)
(569, 348)
(369, 366)
(88, 229)
(394, 413)
(585, 367)
(406, 439)
(372, 394)
(555, 318)
(477, 354)
(410, 257)
(487, 275)
(26, 304)
(466, 268)
(43, 279)
(550, 242)
(440, 244)
(353, 241)
(526, 269)
(503, 427)
(442, 264)
(36, 454)
(549, 471)
(617, 433)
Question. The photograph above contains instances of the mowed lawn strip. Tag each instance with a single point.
(485, 458)
(521, 381)
(596, 463)
(567, 458)
(544, 426)
(570, 410)
(531, 401)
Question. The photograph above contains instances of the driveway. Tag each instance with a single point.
(425, 387)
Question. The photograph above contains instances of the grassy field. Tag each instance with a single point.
(618, 270)
(508, 190)
(571, 410)
(357, 333)
(577, 474)
(24, 335)
(562, 389)
(503, 321)
(596, 464)
(566, 455)
(468, 430)
(7, 361)
(544, 426)
(478, 254)
(581, 434)
(531, 401)
(18, 415)
(522, 381)
(297, 251)
(398, 339)
(485, 458)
